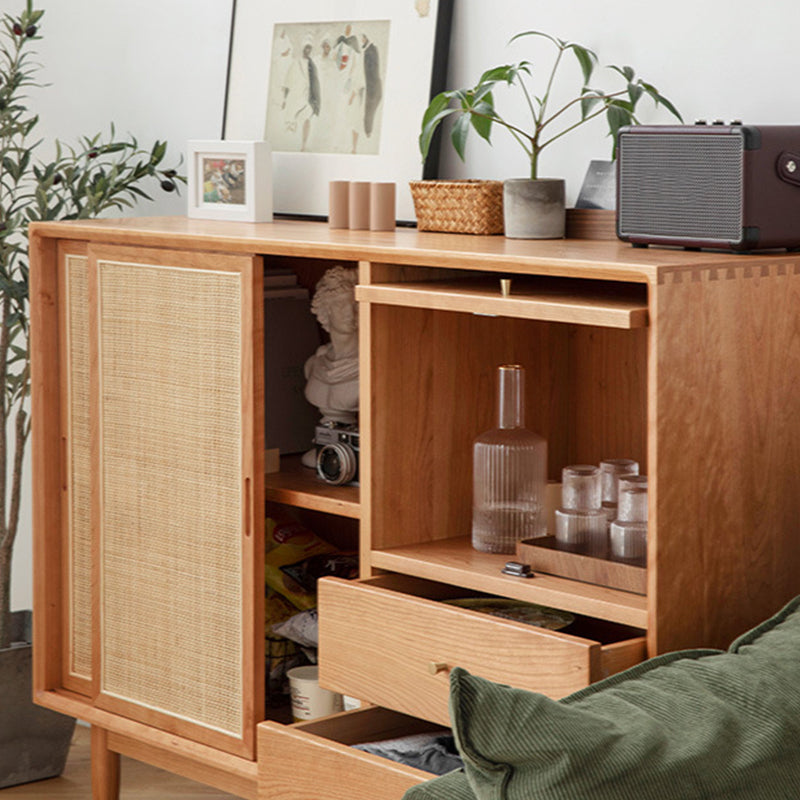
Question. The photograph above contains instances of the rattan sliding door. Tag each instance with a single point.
(177, 411)
(76, 570)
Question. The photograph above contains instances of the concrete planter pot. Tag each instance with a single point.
(34, 741)
(534, 208)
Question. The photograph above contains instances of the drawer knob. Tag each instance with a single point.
(435, 667)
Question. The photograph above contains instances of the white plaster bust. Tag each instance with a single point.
(332, 372)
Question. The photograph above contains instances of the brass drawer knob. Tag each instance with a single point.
(435, 667)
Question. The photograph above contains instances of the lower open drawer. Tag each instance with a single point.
(389, 640)
(316, 761)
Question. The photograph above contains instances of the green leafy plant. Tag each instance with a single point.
(97, 174)
(475, 108)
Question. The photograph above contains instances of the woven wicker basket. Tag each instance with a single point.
(468, 206)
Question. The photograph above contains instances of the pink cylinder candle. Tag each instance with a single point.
(359, 206)
(382, 206)
(338, 204)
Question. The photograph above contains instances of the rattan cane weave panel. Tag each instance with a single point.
(79, 541)
(171, 560)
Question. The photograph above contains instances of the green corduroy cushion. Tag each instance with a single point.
(692, 725)
(453, 786)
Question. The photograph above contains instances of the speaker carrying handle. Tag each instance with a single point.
(788, 166)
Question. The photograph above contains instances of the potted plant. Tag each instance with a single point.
(533, 206)
(98, 174)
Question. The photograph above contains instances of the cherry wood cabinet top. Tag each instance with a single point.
(595, 259)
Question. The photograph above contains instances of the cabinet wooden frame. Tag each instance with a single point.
(706, 346)
(47, 465)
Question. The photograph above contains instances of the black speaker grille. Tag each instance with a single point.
(682, 186)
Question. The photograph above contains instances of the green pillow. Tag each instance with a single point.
(683, 726)
(453, 786)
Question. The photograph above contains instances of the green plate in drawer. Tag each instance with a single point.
(528, 613)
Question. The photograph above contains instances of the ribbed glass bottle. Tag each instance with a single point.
(509, 473)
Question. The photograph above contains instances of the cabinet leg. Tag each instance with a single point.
(105, 767)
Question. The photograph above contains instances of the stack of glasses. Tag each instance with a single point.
(604, 511)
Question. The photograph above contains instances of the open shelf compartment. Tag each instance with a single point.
(433, 387)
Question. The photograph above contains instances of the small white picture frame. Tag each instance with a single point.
(230, 180)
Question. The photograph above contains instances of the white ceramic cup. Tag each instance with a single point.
(351, 703)
(309, 700)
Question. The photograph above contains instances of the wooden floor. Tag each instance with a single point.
(139, 781)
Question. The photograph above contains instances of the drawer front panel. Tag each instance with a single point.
(396, 649)
(315, 760)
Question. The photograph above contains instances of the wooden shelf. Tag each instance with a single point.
(455, 561)
(296, 485)
(586, 302)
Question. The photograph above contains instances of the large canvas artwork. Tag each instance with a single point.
(326, 87)
(338, 90)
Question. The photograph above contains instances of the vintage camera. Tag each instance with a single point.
(337, 453)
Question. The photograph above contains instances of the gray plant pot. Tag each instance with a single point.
(534, 208)
(34, 741)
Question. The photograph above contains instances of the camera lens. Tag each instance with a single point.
(336, 463)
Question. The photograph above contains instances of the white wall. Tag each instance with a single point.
(157, 69)
(724, 59)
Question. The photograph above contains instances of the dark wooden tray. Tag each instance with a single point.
(543, 555)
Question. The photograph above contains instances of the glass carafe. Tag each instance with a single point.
(509, 473)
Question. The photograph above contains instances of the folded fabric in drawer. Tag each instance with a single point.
(433, 752)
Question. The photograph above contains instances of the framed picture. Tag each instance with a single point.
(230, 180)
(338, 88)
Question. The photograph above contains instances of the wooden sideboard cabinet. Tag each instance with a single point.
(150, 490)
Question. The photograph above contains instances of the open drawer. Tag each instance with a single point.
(315, 760)
(389, 640)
